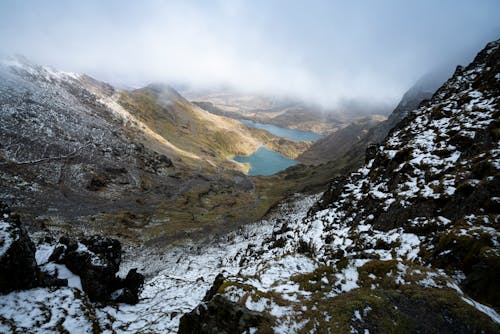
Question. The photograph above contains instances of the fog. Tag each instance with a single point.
(320, 51)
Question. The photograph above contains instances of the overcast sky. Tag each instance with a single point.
(324, 51)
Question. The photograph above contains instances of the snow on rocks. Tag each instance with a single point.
(44, 310)
(387, 218)
(421, 218)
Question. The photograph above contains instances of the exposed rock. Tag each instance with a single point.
(371, 152)
(222, 316)
(330, 195)
(18, 269)
(97, 260)
(219, 280)
(132, 284)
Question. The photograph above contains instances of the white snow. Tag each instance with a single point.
(7, 236)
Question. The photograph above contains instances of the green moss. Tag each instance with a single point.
(313, 281)
(342, 264)
(409, 309)
(378, 271)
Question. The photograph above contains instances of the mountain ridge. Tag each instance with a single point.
(412, 236)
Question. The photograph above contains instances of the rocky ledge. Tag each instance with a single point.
(89, 264)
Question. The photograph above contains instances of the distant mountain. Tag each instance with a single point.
(284, 112)
(421, 90)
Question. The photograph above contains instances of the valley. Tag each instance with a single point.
(292, 134)
(198, 207)
(144, 165)
(279, 111)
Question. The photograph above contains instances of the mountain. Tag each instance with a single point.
(78, 155)
(346, 146)
(195, 130)
(409, 243)
(336, 145)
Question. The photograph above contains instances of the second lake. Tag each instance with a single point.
(292, 134)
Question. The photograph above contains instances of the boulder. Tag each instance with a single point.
(220, 315)
(96, 260)
(131, 285)
(18, 268)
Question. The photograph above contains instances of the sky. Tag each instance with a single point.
(320, 51)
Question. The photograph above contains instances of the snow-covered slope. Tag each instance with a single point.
(63, 142)
(408, 243)
(188, 273)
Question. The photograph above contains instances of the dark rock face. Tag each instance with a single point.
(131, 285)
(18, 269)
(219, 280)
(331, 195)
(97, 260)
(371, 152)
(221, 316)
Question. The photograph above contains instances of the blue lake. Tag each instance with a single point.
(265, 162)
(292, 134)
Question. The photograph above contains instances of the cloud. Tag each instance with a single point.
(322, 51)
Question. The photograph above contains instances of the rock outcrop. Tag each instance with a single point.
(219, 315)
(18, 269)
(97, 260)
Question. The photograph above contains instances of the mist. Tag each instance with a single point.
(325, 52)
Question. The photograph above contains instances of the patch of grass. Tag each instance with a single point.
(410, 309)
(313, 281)
(378, 271)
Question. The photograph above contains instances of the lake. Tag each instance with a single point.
(265, 162)
(292, 134)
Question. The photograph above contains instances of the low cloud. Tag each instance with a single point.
(320, 51)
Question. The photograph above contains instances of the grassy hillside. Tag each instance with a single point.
(195, 130)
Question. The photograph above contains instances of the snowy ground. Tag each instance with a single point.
(188, 272)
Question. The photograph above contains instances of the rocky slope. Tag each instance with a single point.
(336, 145)
(408, 243)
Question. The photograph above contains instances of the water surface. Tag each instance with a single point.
(292, 134)
(265, 162)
